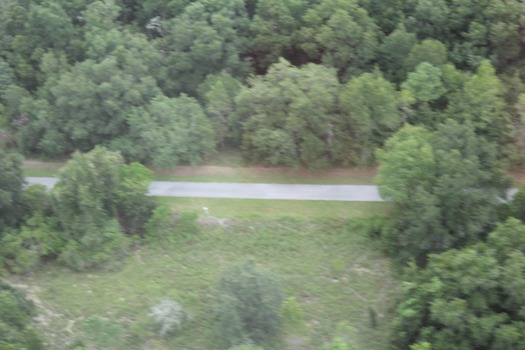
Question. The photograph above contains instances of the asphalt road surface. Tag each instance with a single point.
(251, 190)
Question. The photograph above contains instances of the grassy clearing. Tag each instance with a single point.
(335, 273)
(277, 209)
(270, 177)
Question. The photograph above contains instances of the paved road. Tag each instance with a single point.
(255, 191)
(251, 190)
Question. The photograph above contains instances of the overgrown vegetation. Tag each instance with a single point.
(311, 83)
(334, 272)
(430, 91)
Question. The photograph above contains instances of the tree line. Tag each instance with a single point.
(432, 91)
(294, 83)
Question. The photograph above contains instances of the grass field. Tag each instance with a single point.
(277, 209)
(336, 274)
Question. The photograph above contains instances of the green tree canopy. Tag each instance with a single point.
(340, 33)
(467, 299)
(15, 316)
(95, 190)
(249, 302)
(276, 25)
(11, 182)
(447, 187)
(218, 94)
(394, 51)
(288, 115)
(481, 103)
(371, 107)
(206, 38)
(170, 131)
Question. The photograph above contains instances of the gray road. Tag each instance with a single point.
(251, 190)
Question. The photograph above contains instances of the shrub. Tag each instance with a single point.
(169, 315)
(249, 302)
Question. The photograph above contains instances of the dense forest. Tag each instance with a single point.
(430, 91)
(295, 83)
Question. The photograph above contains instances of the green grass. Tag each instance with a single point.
(335, 273)
(277, 178)
(275, 209)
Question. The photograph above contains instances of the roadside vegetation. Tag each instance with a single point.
(333, 271)
(429, 96)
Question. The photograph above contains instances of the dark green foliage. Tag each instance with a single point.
(206, 38)
(15, 314)
(160, 224)
(340, 34)
(370, 105)
(481, 103)
(6, 78)
(430, 51)
(25, 250)
(11, 181)
(218, 94)
(276, 26)
(468, 299)
(393, 53)
(288, 115)
(96, 191)
(249, 303)
(170, 131)
(517, 204)
(447, 187)
(91, 105)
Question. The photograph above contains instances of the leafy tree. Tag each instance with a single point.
(37, 240)
(467, 299)
(170, 131)
(430, 51)
(339, 33)
(425, 86)
(94, 190)
(517, 204)
(482, 104)
(288, 115)
(30, 30)
(134, 208)
(249, 302)
(371, 105)
(425, 83)
(148, 9)
(15, 315)
(393, 52)
(6, 78)
(206, 38)
(218, 94)
(11, 181)
(88, 106)
(447, 187)
(388, 17)
(275, 27)
(430, 19)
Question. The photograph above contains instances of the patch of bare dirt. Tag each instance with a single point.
(211, 221)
